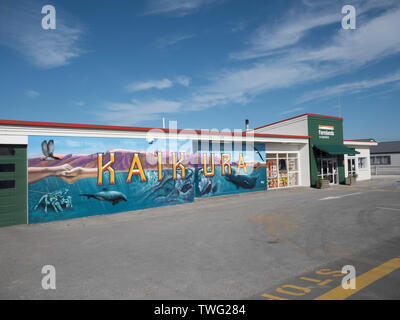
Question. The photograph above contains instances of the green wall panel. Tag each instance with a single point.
(324, 131)
(13, 185)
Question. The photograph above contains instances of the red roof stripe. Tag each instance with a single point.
(141, 129)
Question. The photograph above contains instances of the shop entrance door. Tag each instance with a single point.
(351, 166)
(329, 169)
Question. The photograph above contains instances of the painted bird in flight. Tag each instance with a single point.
(48, 150)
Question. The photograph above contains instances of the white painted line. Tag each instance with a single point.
(394, 209)
(338, 197)
(329, 198)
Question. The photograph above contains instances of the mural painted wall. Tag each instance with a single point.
(229, 168)
(70, 177)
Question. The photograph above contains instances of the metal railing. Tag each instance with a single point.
(377, 170)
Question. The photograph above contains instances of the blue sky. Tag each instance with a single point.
(93, 145)
(205, 63)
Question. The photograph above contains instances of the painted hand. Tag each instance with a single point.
(74, 174)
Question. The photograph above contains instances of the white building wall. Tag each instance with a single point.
(13, 139)
(395, 159)
(297, 126)
(304, 159)
(362, 173)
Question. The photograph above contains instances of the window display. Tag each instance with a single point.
(282, 170)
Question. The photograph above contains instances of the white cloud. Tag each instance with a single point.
(138, 111)
(350, 88)
(372, 41)
(20, 29)
(158, 84)
(346, 52)
(177, 7)
(292, 110)
(80, 103)
(240, 85)
(183, 80)
(285, 33)
(32, 94)
(277, 38)
(286, 63)
(146, 85)
(172, 40)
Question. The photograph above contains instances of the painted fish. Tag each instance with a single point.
(110, 196)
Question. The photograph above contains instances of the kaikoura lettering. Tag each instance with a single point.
(136, 167)
(107, 166)
(139, 170)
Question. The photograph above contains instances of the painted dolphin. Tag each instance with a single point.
(111, 196)
(48, 150)
(243, 181)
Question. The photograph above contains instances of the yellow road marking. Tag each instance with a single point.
(305, 290)
(362, 281)
(310, 279)
(325, 282)
(271, 297)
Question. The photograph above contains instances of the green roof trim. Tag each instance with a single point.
(337, 149)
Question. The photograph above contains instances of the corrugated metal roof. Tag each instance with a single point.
(386, 147)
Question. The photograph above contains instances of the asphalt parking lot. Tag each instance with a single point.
(284, 244)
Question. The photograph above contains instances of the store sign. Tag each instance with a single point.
(326, 131)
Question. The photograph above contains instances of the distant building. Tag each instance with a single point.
(385, 158)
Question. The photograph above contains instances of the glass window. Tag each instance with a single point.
(7, 184)
(282, 170)
(282, 165)
(293, 165)
(362, 163)
(380, 160)
(293, 179)
(386, 160)
(7, 151)
(7, 167)
(272, 174)
(351, 166)
(283, 179)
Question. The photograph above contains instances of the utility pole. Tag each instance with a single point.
(340, 107)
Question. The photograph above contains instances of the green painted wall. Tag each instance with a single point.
(323, 139)
(13, 190)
